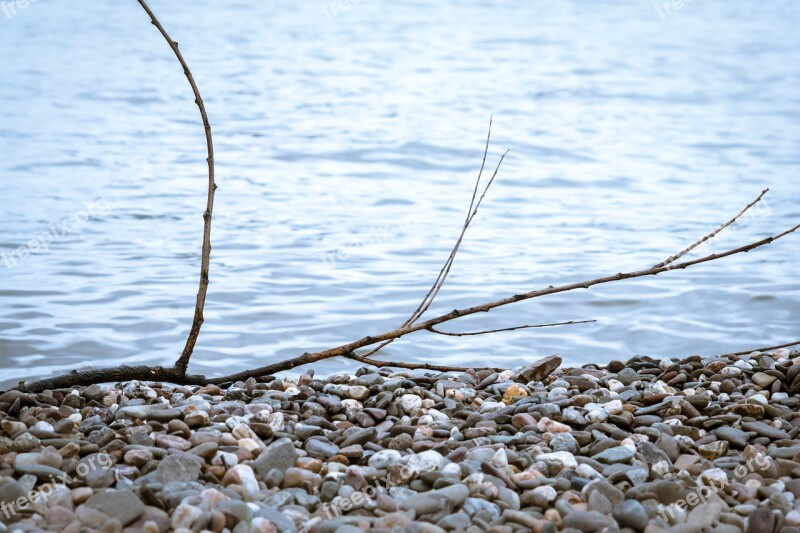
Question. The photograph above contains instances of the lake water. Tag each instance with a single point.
(348, 140)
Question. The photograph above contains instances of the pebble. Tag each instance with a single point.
(631, 513)
(537, 449)
(121, 505)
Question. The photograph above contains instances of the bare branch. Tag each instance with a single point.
(431, 294)
(763, 349)
(445, 270)
(712, 234)
(348, 350)
(183, 361)
(412, 366)
(485, 332)
(458, 245)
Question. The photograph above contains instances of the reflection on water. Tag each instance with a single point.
(347, 147)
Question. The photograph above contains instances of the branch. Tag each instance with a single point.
(764, 349)
(469, 333)
(183, 361)
(437, 287)
(106, 375)
(430, 295)
(348, 350)
(712, 234)
(445, 270)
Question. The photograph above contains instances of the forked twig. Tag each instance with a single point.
(446, 267)
(445, 270)
(711, 235)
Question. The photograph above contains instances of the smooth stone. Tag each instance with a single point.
(564, 442)
(619, 454)
(760, 520)
(734, 436)
(565, 459)
(598, 502)
(587, 521)
(627, 376)
(704, 515)
(280, 455)
(631, 513)
(42, 472)
(177, 468)
(540, 369)
(765, 430)
(121, 505)
(359, 437)
(666, 491)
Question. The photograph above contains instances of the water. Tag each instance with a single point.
(357, 136)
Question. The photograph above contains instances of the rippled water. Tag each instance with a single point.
(357, 136)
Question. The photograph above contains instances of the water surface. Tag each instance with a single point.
(347, 146)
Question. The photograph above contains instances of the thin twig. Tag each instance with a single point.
(458, 244)
(412, 366)
(527, 326)
(446, 267)
(445, 270)
(712, 234)
(197, 321)
(764, 349)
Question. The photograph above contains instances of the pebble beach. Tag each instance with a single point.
(641, 445)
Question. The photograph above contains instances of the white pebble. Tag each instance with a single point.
(614, 407)
(384, 459)
(759, 398)
(597, 416)
(43, 426)
(565, 459)
(411, 403)
(715, 476)
(586, 471)
(547, 491)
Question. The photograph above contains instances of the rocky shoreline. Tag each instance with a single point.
(642, 445)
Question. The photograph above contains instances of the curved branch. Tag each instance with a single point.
(197, 321)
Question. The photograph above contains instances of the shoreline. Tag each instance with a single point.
(642, 445)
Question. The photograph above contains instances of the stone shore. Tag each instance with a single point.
(648, 444)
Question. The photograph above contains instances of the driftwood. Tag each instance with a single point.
(178, 373)
(183, 362)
